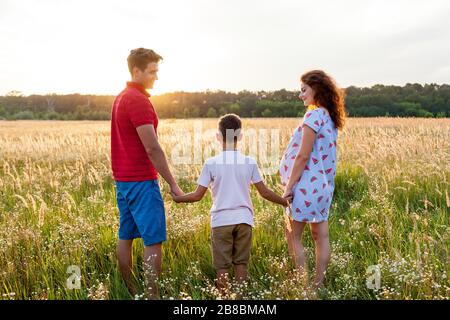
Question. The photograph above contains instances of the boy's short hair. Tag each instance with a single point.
(141, 57)
(230, 121)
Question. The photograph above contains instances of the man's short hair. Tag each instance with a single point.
(230, 121)
(141, 57)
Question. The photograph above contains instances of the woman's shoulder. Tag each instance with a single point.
(311, 115)
(318, 112)
(323, 112)
(316, 117)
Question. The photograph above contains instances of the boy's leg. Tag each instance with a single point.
(242, 244)
(152, 268)
(223, 283)
(240, 271)
(222, 249)
(320, 235)
(125, 257)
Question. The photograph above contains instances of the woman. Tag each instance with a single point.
(308, 168)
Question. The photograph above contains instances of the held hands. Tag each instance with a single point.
(288, 194)
(175, 198)
(176, 193)
(286, 201)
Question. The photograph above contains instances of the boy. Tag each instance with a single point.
(230, 174)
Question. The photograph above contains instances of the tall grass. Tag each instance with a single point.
(390, 208)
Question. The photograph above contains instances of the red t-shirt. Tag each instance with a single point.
(131, 109)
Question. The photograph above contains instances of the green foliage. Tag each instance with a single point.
(411, 100)
(212, 113)
(234, 108)
(412, 109)
(23, 115)
(267, 113)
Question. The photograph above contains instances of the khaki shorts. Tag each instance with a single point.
(231, 245)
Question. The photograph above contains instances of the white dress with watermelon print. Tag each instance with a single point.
(313, 193)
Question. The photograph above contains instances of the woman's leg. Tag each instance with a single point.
(289, 236)
(320, 235)
(295, 245)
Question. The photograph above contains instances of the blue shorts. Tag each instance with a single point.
(141, 210)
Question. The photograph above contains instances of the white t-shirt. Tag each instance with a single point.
(230, 174)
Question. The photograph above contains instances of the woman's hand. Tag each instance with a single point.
(288, 194)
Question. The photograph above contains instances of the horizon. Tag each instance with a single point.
(22, 94)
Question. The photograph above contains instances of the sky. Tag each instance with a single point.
(81, 46)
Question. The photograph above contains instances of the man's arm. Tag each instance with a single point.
(268, 194)
(195, 196)
(154, 151)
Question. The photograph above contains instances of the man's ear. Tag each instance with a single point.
(239, 137)
(136, 73)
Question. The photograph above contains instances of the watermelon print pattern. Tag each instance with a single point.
(314, 192)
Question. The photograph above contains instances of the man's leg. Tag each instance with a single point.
(125, 257)
(147, 207)
(152, 268)
(127, 232)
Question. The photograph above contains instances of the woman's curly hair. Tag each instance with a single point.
(327, 95)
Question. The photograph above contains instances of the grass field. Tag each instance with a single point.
(391, 209)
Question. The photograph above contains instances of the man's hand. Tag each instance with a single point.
(176, 190)
(175, 197)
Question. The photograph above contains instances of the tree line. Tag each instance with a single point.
(411, 100)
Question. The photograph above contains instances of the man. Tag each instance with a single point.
(137, 158)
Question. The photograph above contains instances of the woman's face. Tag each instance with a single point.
(306, 94)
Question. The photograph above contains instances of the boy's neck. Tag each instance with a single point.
(229, 148)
